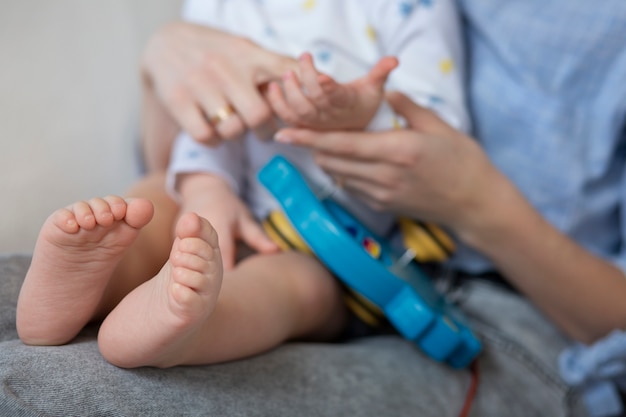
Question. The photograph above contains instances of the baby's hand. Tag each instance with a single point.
(315, 100)
(212, 198)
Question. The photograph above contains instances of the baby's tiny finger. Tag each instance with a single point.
(279, 104)
(296, 98)
(309, 76)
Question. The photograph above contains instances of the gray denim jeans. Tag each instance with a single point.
(518, 370)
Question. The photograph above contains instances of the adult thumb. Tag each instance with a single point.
(419, 118)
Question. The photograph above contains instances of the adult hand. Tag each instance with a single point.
(314, 100)
(209, 80)
(432, 171)
(438, 174)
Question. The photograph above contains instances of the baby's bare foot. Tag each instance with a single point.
(76, 252)
(156, 324)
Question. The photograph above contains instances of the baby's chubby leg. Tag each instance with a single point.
(156, 320)
(77, 250)
(193, 313)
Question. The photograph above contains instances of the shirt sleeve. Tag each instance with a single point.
(188, 156)
(425, 36)
(620, 259)
(198, 11)
(226, 160)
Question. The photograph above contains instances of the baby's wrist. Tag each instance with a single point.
(190, 184)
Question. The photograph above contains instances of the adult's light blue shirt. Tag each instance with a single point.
(547, 88)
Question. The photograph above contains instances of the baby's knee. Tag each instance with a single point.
(320, 298)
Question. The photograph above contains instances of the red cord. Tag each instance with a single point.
(471, 392)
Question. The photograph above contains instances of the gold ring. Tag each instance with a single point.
(221, 114)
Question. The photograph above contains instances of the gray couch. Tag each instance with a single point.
(369, 377)
(373, 376)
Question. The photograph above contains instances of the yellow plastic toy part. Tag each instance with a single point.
(364, 309)
(428, 242)
(280, 230)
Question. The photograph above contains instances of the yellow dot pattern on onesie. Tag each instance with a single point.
(309, 5)
(446, 66)
(371, 33)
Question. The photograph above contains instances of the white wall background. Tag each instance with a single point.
(69, 94)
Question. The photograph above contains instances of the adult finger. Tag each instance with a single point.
(217, 111)
(371, 194)
(191, 117)
(247, 99)
(244, 84)
(345, 169)
(226, 121)
(418, 117)
(226, 84)
(374, 146)
(271, 66)
(253, 110)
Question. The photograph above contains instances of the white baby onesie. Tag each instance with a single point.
(346, 38)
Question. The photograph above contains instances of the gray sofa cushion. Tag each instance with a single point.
(368, 377)
(374, 376)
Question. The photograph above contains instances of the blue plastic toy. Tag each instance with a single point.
(370, 267)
